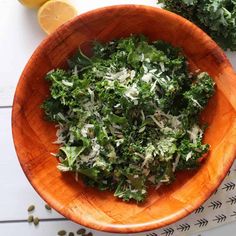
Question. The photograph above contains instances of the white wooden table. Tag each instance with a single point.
(19, 36)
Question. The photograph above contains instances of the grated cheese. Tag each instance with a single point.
(162, 66)
(147, 78)
(84, 131)
(67, 83)
(132, 74)
(194, 133)
(189, 156)
(75, 72)
(175, 164)
(132, 92)
(91, 95)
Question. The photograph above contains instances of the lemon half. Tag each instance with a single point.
(32, 3)
(55, 13)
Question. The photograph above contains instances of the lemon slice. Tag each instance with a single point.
(54, 13)
(32, 3)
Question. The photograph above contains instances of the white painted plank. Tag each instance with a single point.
(52, 228)
(232, 58)
(16, 192)
(19, 36)
(43, 229)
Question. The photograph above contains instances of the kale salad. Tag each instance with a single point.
(127, 117)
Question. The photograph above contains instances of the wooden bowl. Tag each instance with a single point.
(33, 136)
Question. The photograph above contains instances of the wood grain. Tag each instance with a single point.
(33, 136)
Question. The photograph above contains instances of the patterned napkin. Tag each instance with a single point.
(219, 209)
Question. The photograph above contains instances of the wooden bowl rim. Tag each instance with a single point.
(91, 223)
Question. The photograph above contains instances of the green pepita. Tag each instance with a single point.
(36, 221)
(30, 219)
(81, 231)
(71, 234)
(61, 232)
(48, 207)
(89, 234)
(31, 208)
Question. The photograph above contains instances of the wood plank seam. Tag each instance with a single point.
(26, 221)
(5, 107)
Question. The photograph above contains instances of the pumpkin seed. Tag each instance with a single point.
(36, 221)
(48, 207)
(81, 231)
(89, 234)
(31, 208)
(71, 234)
(61, 232)
(30, 219)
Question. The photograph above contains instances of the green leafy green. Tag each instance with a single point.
(216, 17)
(127, 117)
